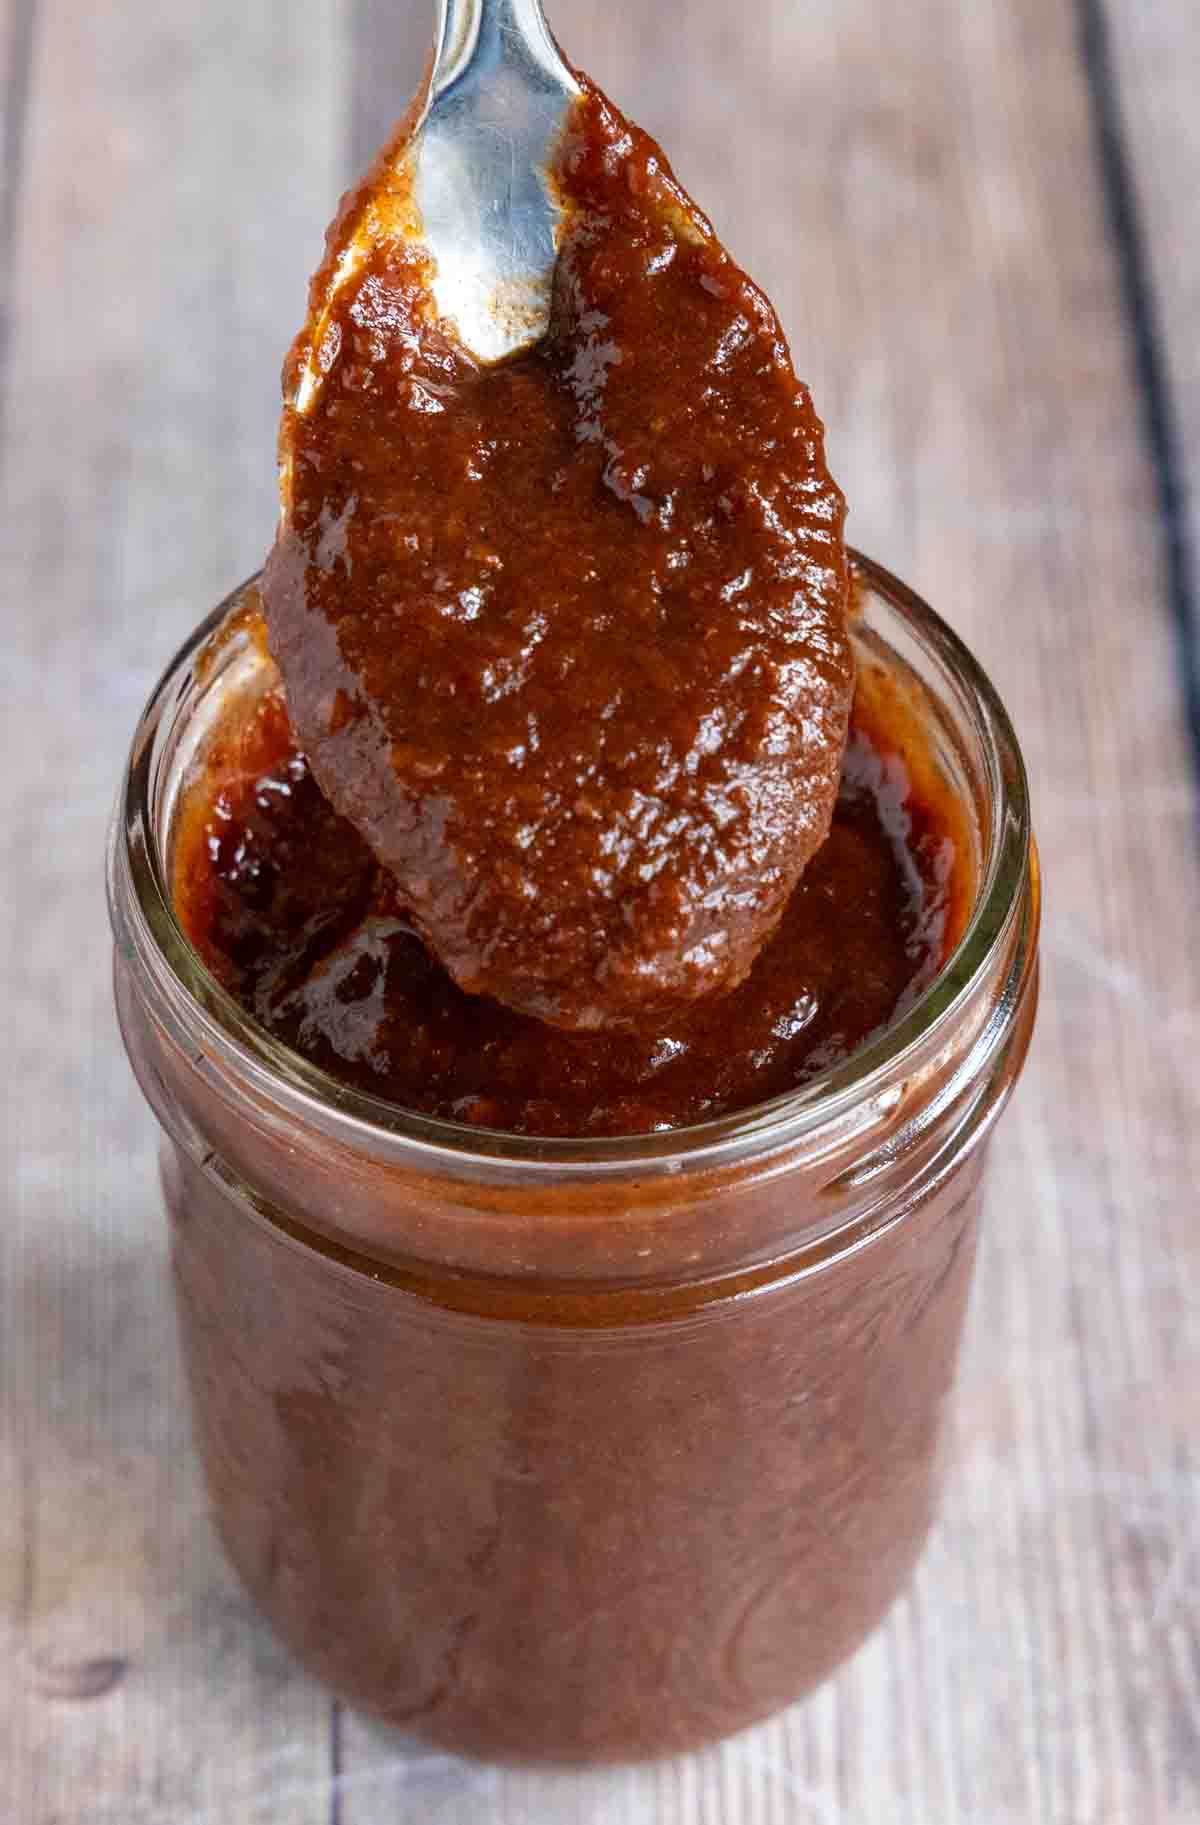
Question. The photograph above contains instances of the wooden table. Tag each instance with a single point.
(978, 219)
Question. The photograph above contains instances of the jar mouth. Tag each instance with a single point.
(207, 1017)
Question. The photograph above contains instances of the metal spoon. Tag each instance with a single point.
(472, 168)
(498, 97)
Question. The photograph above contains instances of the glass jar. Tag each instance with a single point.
(571, 1451)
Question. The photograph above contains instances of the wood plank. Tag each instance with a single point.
(16, 52)
(178, 168)
(926, 210)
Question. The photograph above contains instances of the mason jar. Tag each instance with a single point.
(554, 1450)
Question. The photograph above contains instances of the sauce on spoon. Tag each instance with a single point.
(564, 637)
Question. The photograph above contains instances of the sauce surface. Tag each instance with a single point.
(564, 638)
(289, 908)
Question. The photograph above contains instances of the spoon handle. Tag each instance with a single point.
(475, 37)
(499, 97)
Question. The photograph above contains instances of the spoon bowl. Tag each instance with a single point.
(467, 180)
(499, 95)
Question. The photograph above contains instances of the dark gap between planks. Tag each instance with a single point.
(12, 151)
(1160, 423)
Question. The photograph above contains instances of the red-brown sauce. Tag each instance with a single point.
(565, 637)
(290, 910)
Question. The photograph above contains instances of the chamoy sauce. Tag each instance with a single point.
(290, 910)
(564, 637)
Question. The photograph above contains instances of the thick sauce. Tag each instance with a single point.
(564, 638)
(287, 905)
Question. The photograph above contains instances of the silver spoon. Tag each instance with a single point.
(498, 97)
(475, 163)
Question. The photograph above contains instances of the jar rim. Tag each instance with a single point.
(146, 928)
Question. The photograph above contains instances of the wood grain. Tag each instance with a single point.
(16, 53)
(1149, 55)
(928, 209)
(166, 221)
